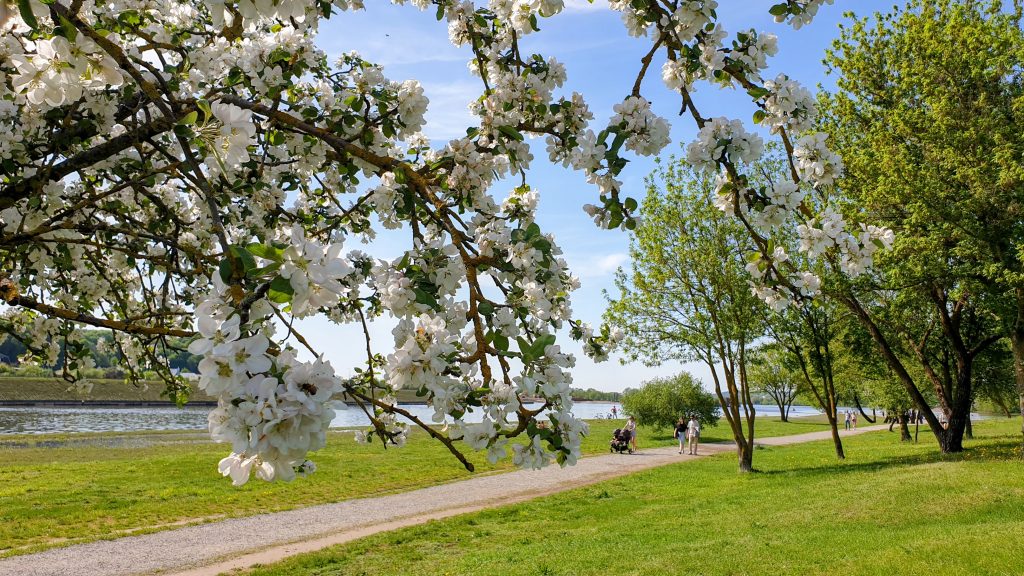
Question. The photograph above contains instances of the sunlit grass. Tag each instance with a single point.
(66, 488)
(890, 507)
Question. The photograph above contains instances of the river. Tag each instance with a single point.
(48, 420)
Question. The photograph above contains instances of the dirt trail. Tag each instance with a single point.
(213, 548)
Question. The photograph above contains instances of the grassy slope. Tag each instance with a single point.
(102, 485)
(889, 508)
(51, 389)
(103, 389)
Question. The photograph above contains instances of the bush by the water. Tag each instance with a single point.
(662, 401)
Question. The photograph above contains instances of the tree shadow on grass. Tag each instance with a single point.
(990, 449)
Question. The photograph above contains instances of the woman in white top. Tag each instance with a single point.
(693, 433)
(631, 427)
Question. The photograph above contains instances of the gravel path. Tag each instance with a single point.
(210, 549)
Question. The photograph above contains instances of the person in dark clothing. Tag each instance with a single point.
(681, 433)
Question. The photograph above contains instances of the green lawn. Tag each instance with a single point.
(94, 486)
(890, 508)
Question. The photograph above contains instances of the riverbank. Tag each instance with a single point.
(53, 392)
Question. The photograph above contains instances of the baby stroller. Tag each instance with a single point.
(620, 441)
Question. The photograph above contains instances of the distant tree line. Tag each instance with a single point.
(104, 354)
(595, 395)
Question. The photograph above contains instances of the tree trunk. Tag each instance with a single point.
(904, 429)
(856, 400)
(946, 444)
(1017, 344)
(969, 431)
(840, 453)
(745, 451)
(783, 410)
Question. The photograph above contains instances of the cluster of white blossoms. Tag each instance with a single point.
(856, 249)
(647, 132)
(815, 162)
(57, 72)
(272, 408)
(720, 140)
(689, 18)
(788, 105)
(805, 13)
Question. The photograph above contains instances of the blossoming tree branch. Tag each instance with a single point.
(196, 168)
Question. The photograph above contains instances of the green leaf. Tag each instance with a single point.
(204, 106)
(243, 255)
(265, 252)
(275, 137)
(69, 30)
(225, 270)
(501, 342)
(189, 118)
(779, 9)
(525, 349)
(281, 290)
(541, 343)
(757, 92)
(759, 116)
(511, 132)
(25, 7)
(630, 204)
(424, 297)
(486, 308)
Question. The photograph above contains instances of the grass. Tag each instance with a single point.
(888, 508)
(16, 388)
(70, 488)
(54, 389)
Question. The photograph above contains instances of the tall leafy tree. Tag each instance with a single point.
(687, 294)
(927, 120)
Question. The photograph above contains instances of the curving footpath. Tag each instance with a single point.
(217, 547)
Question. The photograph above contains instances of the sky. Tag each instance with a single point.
(602, 62)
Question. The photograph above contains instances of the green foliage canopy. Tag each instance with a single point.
(662, 401)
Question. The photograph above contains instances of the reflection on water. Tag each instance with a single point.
(47, 420)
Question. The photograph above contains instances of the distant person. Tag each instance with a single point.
(680, 433)
(693, 434)
(846, 426)
(631, 428)
(615, 412)
(854, 420)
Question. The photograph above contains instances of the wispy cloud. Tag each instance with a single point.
(448, 113)
(596, 267)
(585, 5)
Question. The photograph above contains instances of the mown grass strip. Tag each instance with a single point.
(889, 508)
(62, 489)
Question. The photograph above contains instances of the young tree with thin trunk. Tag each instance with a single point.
(687, 294)
(772, 372)
(807, 334)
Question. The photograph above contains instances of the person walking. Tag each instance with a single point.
(615, 411)
(847, 424)
(631, 428)
(693, 434)
(854, 420)
(681, 433)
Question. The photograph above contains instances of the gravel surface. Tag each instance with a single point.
(218, 546)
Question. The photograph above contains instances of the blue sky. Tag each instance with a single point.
(602, 62)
